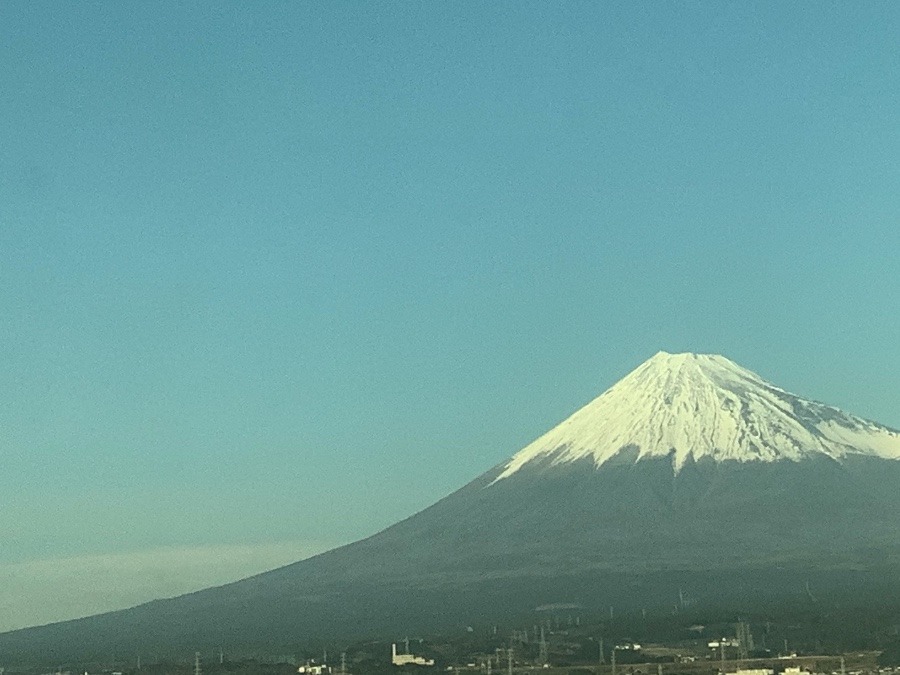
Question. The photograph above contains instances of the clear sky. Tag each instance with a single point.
(274, 275)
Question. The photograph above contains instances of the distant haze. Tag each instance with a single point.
(65, 588)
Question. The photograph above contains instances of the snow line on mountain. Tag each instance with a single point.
(704, 406)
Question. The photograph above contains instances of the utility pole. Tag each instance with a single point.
(602, 655)
(613, 660)
(509, 662)
(343, 663)
(197, 669)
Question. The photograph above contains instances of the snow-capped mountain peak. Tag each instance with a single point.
(704, 406)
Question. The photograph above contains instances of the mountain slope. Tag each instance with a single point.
(690, 473)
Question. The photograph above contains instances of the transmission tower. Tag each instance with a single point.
(543, 657)
(197, 669)
(745, 639)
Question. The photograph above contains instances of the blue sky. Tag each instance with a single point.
(275, 275)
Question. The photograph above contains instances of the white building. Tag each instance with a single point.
(724, 642)
(795, 670)
(408, 659)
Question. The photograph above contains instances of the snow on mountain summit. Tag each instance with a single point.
(704, 406)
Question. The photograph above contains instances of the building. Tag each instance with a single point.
(408, 659)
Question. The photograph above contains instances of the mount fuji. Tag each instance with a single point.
(691, 473)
